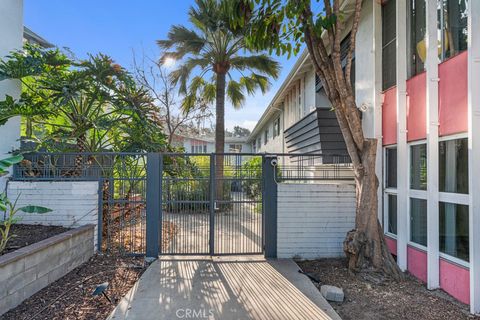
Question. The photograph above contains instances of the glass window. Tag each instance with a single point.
(276, 127)
(389, 45)
(454, 230)
(205, 149)
(453, 23)
(392, 213)
(259, 142)
(265, 136)
(235, 148)
(193, 149)
(418, 167)
(417, 48)
(453, 166)
(418, 221)
(391, 168)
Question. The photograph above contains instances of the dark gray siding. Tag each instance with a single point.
(318, 132)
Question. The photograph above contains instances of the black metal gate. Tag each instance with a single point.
(211, 204)
(195, 204)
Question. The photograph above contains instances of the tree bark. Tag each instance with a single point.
(365, 246)
(79, 159)
(220, 133)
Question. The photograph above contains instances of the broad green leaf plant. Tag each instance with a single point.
(79, 105)
(9, 208)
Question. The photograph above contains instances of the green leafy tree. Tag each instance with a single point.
(283, 26)
(92, 104)
(215, 63)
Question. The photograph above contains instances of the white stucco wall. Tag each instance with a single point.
(73, 203)
(313, 219)
(11, 35)
(310, 99)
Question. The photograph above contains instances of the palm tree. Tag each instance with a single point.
(215, 62)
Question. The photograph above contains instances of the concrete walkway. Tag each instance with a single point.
(223, 288)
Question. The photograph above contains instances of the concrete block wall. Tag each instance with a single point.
(73, 203)
(27, 270)
(313, 219)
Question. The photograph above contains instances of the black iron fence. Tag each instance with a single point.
(205, 203)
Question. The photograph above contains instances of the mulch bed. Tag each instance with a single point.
(26, 234)
(391, 300)
(71, 297)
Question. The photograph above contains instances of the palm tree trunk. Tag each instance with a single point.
(220, 134)
(81, 147)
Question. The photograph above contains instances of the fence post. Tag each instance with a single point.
(100, 215)
(212, 204)
(154, 204)
(270, 205)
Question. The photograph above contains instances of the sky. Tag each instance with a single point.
(120, 27)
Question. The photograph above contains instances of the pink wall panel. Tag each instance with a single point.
(391, 244)
(389, 116)
(417, 263)
(416, 107)
(452, 96)
(455, 280)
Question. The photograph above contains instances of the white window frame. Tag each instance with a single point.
(454, 198)
(413, 193)
(387, 191)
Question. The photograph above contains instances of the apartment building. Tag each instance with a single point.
(417, 82)
(299, 117)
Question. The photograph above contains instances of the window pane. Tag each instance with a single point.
(418, 221)
(417, 48)
(392, 213)
(454, 230)
(418, 167)
(391, 167)
(389, 46)
(453, 166)
(454, 26)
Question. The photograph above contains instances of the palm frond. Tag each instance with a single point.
(183, 41)
(235, 94)
(261, 63)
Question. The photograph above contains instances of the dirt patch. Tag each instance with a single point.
(132, 238)
(27, 234)
(71, 297)
(364, 300)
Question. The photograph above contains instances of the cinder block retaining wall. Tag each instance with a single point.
(74, 203)
(30, 269)
(313, 219)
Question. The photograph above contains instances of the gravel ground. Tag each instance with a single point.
(27, 234)
(71, 297)
(390, 300)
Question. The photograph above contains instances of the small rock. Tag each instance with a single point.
(332, 293)
(149, 259)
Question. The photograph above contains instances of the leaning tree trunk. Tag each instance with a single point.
(365, 246)
(220, 134)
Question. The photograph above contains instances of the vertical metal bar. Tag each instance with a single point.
(212, 205)
(160, 205)
(153, 205)
(100, 215)
(270, 206)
